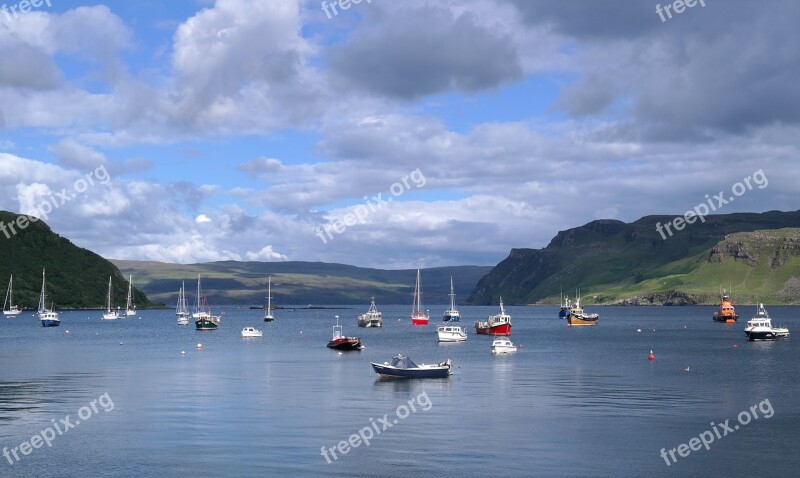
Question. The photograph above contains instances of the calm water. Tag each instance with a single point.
(571, 402)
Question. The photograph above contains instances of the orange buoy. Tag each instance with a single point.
(651, 356)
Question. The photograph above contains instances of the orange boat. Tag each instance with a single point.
(725, 312)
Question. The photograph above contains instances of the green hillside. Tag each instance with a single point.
(615, 262)
(76, 277)
(315, 283)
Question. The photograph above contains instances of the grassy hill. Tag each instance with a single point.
(315, 283)
(614, 262)
(76, 277)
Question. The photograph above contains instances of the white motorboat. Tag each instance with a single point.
(109, 313)
(503, 345)
(760, 327)
(250, 332)
(451, 333)
(372, 318)
(8, 306)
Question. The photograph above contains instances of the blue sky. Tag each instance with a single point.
(237, 129)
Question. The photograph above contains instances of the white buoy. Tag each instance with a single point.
(199, 346)
(638, 330)
(183, 352)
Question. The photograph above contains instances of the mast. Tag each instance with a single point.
(452, 295)
(108, 308)
(8, 295)
(42, 296)
(198, 294)
(130, 293)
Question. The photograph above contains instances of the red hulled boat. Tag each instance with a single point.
(417, 316)
(499, 324)
(340, 342)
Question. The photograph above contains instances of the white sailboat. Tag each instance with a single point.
(268, 312)
(130, 307)
(181, 309)
(12, 309)
(109, 313)
(48, 317)
(451, 314)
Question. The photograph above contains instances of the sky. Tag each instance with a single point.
(389, 134)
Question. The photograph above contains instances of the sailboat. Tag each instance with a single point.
(203, 319)
(451, 314)
(268, 312)
(12, 309)
(110, 314)
(417, 316)
(48, 317)
(130, 307)
(181, 309)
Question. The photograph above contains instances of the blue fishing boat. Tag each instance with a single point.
(404, 367)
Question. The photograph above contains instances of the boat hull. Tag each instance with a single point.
(345, 343)
(385, 371)
(574, 320)
(205, 324)
(727, 319)
(500, 350)
(766, 335)
(50, 323)
(11, 313)
(504, 329)
(419, 321)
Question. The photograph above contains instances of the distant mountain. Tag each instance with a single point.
(296, 283)
(76, 277)
(614, 262)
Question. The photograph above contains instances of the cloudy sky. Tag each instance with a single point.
(240, 129)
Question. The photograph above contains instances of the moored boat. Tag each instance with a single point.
(251, 332)
(110, 314)
(9, 309)
(340, 342)
(203, 318)
(181, 309)
(725, 312)
(417, 316)
(578, 317)
(498, 324)
(451, 333)
(372, 318)
(760, 327)
(130, 306)
(563, 312)
(49, 317)
(503, 345)
(452, 314)
(403, 367)
(268, 308)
